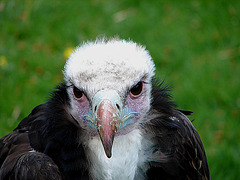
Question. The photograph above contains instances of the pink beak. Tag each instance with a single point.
(107, 124)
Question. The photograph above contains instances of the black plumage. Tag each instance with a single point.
(54, 135)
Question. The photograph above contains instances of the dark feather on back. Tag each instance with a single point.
(178, 150)
(53, 131)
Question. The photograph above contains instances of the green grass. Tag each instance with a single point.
(195, 45)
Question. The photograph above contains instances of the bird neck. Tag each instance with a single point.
(125, 156)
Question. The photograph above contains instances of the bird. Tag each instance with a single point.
(109, 119)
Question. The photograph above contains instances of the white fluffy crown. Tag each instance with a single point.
(115, 64)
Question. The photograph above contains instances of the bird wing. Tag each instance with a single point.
(18, 160)
(53, 134)
(177, 150)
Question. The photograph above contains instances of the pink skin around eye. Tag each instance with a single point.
(139, 103)
(81, 107)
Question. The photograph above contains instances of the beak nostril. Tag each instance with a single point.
(95, 108)
(117, 105)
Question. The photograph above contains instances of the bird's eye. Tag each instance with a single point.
(137, 89)
(77, 92)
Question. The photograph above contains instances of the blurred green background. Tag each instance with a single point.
(195, 45)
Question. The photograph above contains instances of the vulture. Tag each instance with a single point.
(109, 119)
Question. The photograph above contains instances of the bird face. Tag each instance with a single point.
(109, 85)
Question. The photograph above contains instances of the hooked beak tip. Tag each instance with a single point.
(107, 142)
(108, 154)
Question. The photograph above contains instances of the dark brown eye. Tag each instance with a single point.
(77, 92)
(137, 89)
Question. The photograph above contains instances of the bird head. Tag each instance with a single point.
(109, 87)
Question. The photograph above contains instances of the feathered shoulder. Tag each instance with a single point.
(177, 150)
